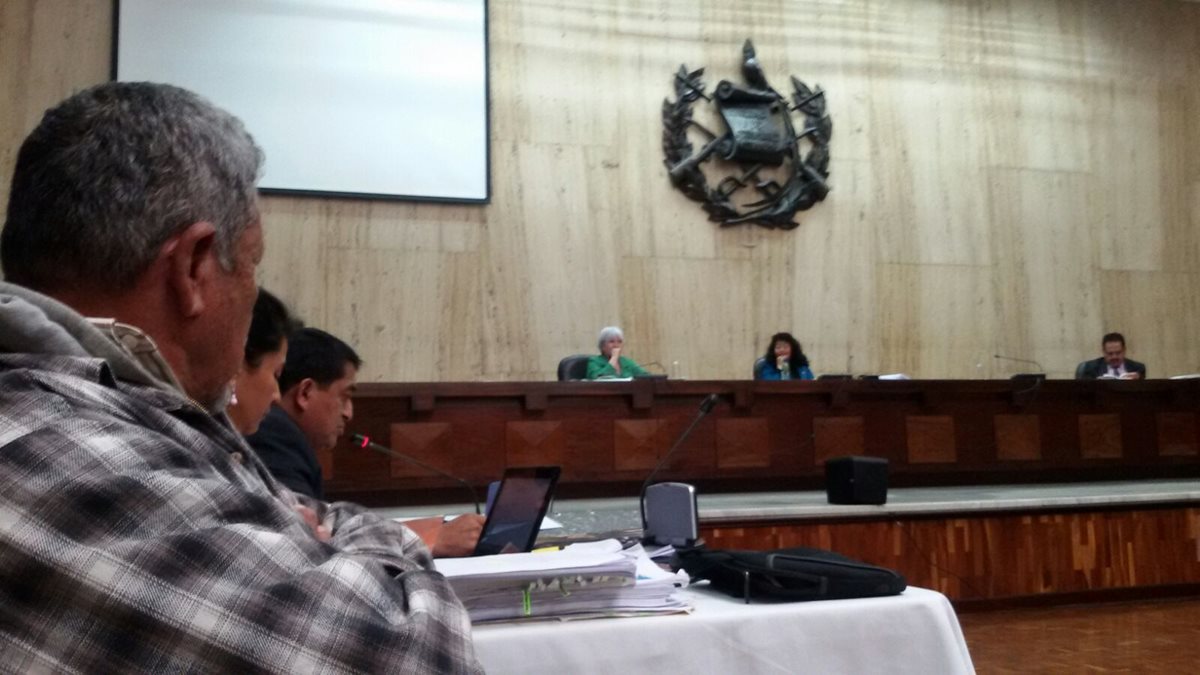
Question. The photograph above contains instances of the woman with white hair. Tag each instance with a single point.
(609, 363)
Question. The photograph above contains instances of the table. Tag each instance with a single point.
(916, 632)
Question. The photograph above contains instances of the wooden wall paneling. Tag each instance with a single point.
(1021, 170)
(1156, 316)
(792, 436)
(838, 437)
(534, 443)
(974, 435)
(1115, 49)
(1046, 299)
(296, 261)
(390, 286)
(933, 318)
(1003, 556)
(1034, 87)
(1180, 171)
(572, 250)
(507, 343)
(1018, 437)
(743, 443)
(927, 99)
(1129, 231)
(1100, 436)
(477, 450)
(1139, 427)
(700, 305)
(883, 434)
(638, 445)
(780, 435)
(591, 439)
(833, 293)
(936, 217)
(1060, 442)
(428, 442)
(1176, 433)
(697, 454)
(48, 50)
(930, 439)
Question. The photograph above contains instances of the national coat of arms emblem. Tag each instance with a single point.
(785, 169)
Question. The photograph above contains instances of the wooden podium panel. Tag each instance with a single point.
(1085, 554)
(765, 435)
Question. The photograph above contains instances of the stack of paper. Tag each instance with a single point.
(580, 581)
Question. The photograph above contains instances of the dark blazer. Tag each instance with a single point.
(281, 445)
(1090, 370)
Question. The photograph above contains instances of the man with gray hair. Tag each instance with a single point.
(137, 531)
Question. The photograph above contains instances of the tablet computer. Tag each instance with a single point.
(516, 513)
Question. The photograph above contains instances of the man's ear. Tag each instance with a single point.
(303, 393)
(191, 257)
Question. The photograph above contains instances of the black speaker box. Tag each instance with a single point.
(856, 480)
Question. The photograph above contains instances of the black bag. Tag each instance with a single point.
(790, 574)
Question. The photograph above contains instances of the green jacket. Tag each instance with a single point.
(599, 367)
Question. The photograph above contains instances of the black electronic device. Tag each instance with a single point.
(516, 514)
(1040, 373)
(671, 515)
(1029, 377)
(856, 480)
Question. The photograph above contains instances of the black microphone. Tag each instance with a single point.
(1013, 358)
(706, 407)
(366, 442)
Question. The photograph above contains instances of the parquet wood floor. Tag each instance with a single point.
(1136, 637)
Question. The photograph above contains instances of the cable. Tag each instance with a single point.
(917, 547)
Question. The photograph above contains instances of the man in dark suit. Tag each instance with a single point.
(316, 388)
(1113, 365)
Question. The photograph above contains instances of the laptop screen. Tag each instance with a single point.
(515, 515)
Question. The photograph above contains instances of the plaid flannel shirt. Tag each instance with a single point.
(138, 532)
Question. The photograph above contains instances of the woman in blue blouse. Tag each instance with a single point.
(784, 360)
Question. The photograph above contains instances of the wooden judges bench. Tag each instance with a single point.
(775, 436)
(607, 436)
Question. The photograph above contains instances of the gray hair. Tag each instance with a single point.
(112, 173)
(606, 333)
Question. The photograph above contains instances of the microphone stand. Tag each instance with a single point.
(366, 442)
(706, 407)
(1013, 358)
(1037, 378)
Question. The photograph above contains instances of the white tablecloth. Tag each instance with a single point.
(916, 632)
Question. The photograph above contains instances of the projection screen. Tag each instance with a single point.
(368, 98)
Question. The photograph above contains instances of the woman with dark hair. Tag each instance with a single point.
(784, 360)
(256, 386)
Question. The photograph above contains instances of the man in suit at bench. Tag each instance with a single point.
(1113, 365)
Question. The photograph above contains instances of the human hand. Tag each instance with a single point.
(1131, 376)
(458, 537)
(309, 516)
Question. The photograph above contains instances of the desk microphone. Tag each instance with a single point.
(366, 442)
(669, 509)
(1013, 358)
(646, 366)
